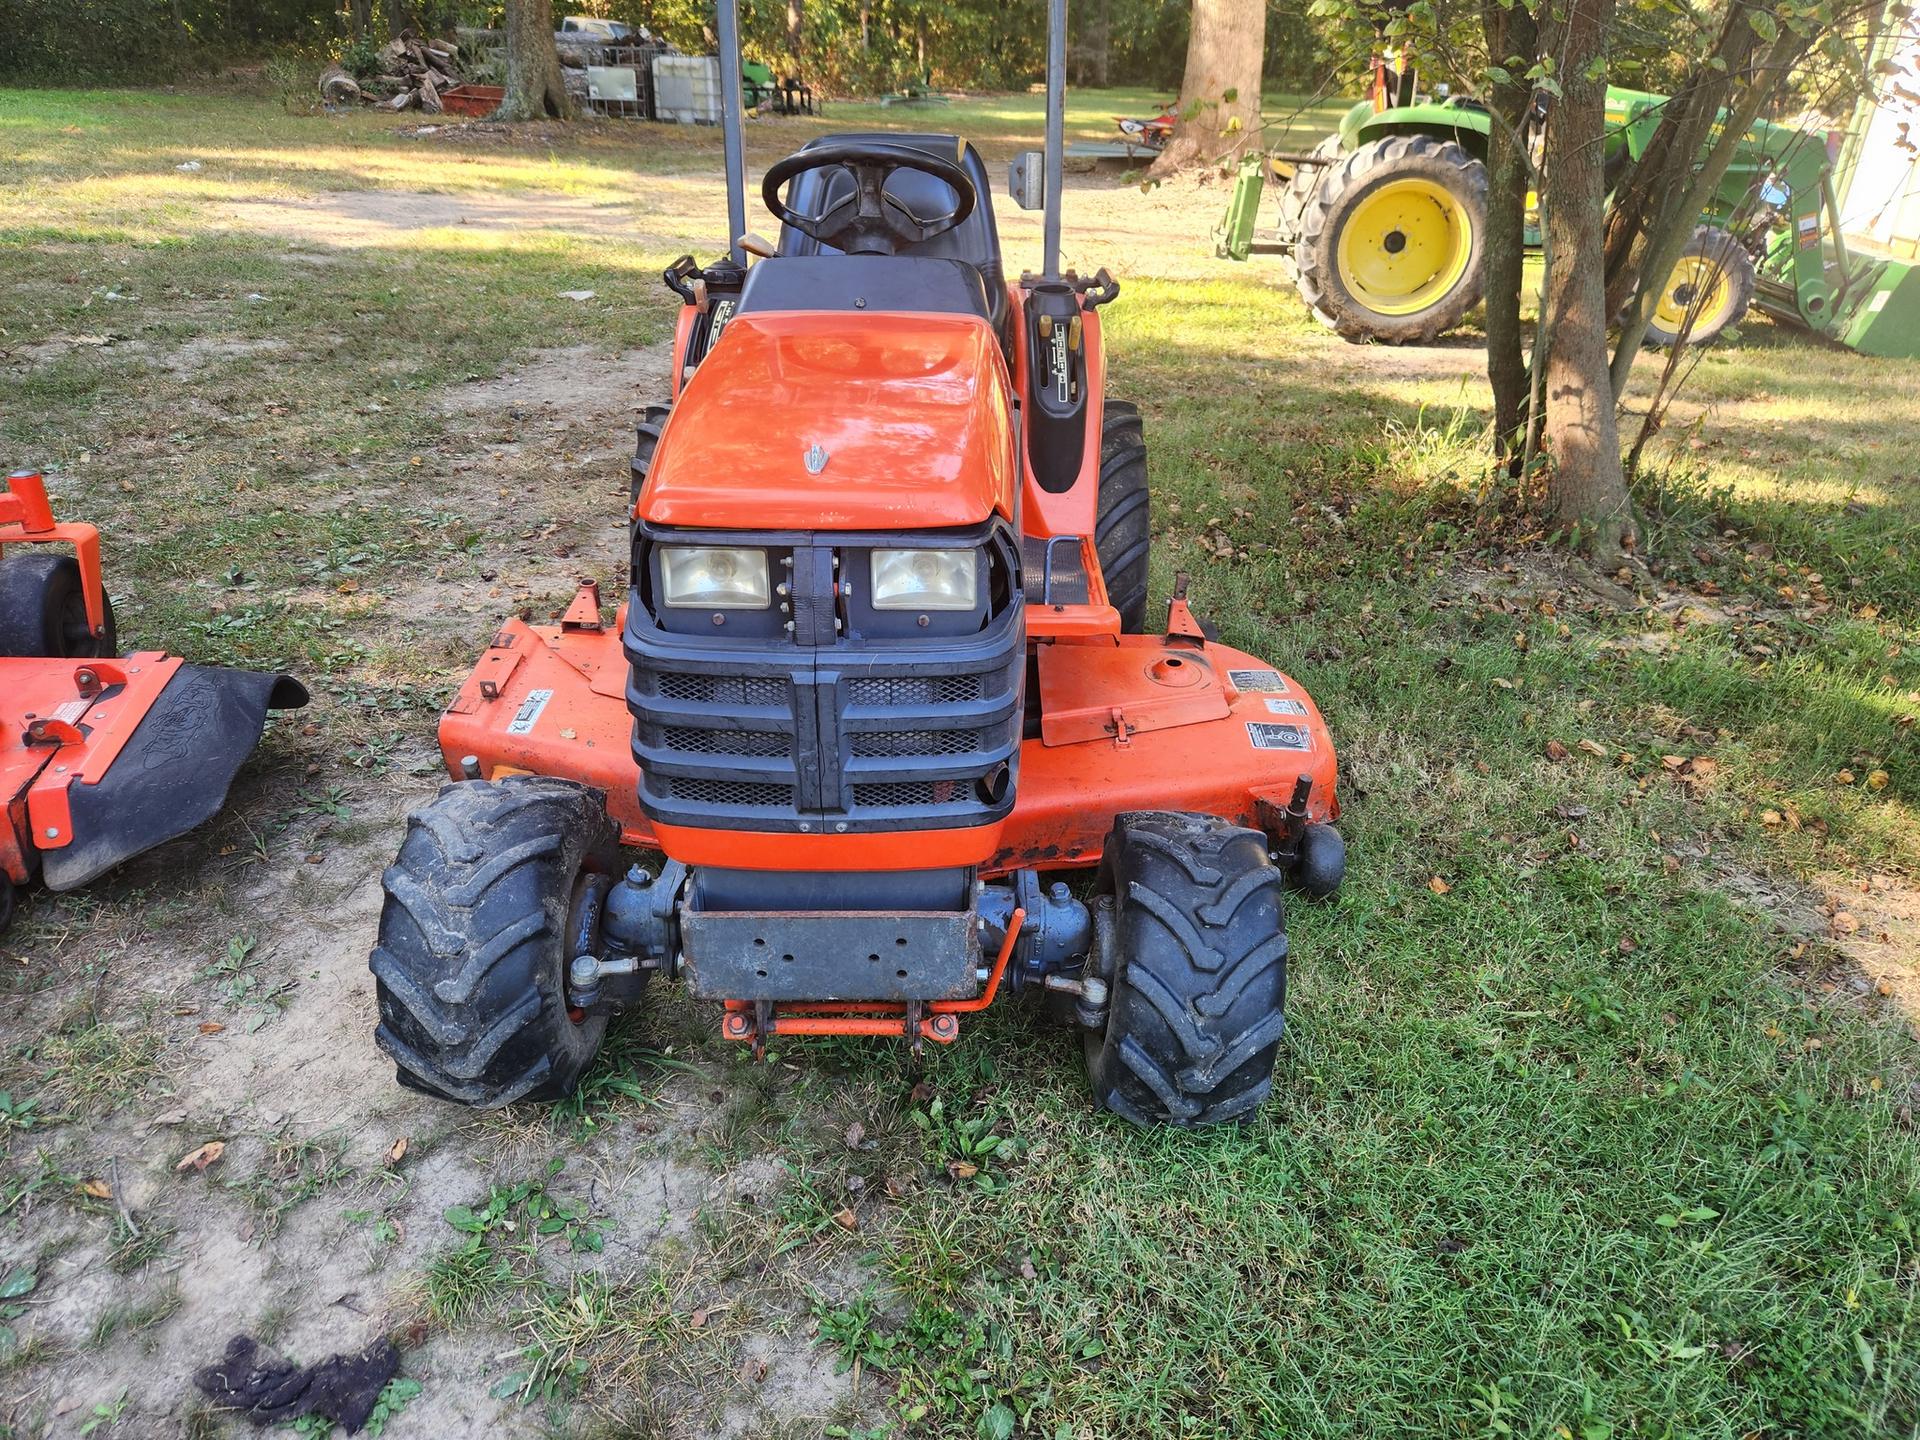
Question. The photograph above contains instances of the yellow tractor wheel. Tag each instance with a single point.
(1391, 241)
(1707, 291)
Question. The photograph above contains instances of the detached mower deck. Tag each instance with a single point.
(101, 756)
(880, 679)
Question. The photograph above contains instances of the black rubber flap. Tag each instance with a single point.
(174, 772)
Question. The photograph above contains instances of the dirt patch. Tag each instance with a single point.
(350, 219)
(1875, 922)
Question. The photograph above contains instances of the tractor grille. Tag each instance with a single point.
(759, 731)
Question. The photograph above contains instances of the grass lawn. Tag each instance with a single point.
(1596, 1113)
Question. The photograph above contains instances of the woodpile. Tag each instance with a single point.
(413, 72)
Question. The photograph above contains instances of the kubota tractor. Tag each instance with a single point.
(102, 755)
(880, 685)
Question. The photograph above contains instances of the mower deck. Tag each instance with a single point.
(1136, 722)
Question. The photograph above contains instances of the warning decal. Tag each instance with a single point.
(1257, 680)
(1271, 735)
(529, 711)
(1285, 707)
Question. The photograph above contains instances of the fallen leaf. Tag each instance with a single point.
(1027, 1272)
(1438, 886)
(98, 1189)
(202, 1156)
(920, 1094)
(1844, 923)
(1594, 748)
(846, 1219)
(1772, 817)
(1556, 751)
(1843, 777)
(962, 1169)
(753, 1370)
(697, 1319)
(397, 1152)
(1877, 780)
(211, 1027)
(856, 1132)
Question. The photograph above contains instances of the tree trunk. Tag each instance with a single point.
(1586, 488)
(866, 19)
(535, 89)
(796, 28)
(1510, 32)
(1219, 106)
(362, 18)
(1100, 44)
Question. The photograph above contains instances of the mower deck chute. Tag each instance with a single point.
(876, 686)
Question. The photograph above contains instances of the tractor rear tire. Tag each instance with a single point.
(1123, 528)
(473, 951)
(1297, 195)
(1191, 938)
(1391, 241)
(43, 611)
(1720, 262)
(646, 440)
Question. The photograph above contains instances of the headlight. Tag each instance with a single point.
(925, 579)
(708, 577)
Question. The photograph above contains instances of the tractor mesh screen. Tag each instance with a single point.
(758, 744)
(873, 743)
(912, 794)
(723, 689)
(745, 794)
(913, 689)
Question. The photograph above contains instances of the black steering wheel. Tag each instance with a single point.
(869, 221)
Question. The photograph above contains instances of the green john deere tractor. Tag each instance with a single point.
(1382, 224)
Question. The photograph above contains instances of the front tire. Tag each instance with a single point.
(43, 610)
(1191, 938)
(1713, 279)
(473, 944)
(1391, 241)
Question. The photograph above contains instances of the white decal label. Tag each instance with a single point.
(1285, 707)
(1257, 680)
(529, 711)
(1270, 735)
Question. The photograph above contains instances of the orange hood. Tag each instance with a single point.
(909, 413)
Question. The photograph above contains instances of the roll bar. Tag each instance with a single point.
(732, 111)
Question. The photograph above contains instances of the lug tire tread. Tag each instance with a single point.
(469, 967)
(1198, 989)
(1123, 528)
(1316, 274)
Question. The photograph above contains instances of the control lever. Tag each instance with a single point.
(678, 274)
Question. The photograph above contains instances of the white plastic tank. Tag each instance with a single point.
(686, 88)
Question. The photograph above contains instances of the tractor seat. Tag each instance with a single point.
(975, 241)
(866, 283)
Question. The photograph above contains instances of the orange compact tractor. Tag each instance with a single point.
(101, 755)
(880, 684)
